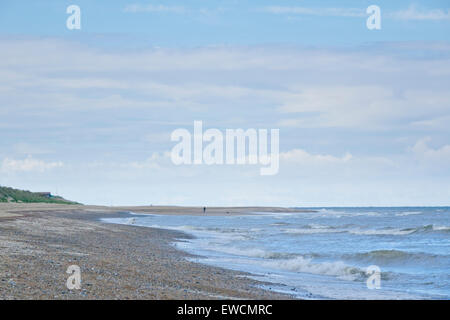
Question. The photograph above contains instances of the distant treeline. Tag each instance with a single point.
(15, 195)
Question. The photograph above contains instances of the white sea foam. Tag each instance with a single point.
(248, 252)
(276, 214)
(408, 213)
(306, 265)
(342, 213)
(441, 228)
(311, 230)
(374, 232)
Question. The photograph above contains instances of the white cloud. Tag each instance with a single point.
(414, 13)
(335, 12)
(439, 122)
(29, 149)
(157, 137)
(356, 105)
(27, 165)
(155, 161)
(303, 157)
(424, 151)
(154, 8)
(51, 55)
(298, 82)
(297, 86)
(99, 105)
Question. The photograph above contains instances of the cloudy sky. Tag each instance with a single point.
(363, 114)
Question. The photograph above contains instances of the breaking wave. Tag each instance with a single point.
(401, 232)
(384, 257)
(252, 252)
(408, 213)
(313, 228)
(377, 232)
(306, 265)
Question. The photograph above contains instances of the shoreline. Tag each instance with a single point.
(39, 242)
(12, 210)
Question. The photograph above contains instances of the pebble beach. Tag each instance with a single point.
(38, 242)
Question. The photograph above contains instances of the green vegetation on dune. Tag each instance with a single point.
(15, 195)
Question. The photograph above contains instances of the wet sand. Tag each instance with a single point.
(38, 242)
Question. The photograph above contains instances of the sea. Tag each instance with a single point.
(327, 253)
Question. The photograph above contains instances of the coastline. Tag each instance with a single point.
(39, 242)
(17, 209)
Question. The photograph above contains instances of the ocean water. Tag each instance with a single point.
(325, 254)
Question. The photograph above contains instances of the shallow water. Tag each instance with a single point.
(325, 254)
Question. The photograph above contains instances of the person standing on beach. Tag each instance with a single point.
(204, 210)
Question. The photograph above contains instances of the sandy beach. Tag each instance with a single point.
(39, 241)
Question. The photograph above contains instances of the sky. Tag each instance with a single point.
(363, 114)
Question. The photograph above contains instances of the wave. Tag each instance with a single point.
(206, 229)
(431, 228)
(397, 256)
(408, 213)
(280, 224)
(312, 229)
(251, 252)
(441, 228)
(306, 265)
(343, 213)
(377, 232)
(317, 229)
(401, 232)
(274, 214)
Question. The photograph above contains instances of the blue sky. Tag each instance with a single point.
(202, 22)
(363, 114)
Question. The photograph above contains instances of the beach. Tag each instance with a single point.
(38, 242)
(163, 252)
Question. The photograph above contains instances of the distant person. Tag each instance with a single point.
(204, 209)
